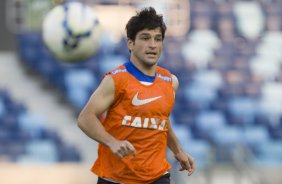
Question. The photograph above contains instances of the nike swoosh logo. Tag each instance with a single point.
(137, 102)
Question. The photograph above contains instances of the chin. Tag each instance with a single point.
(150, 63)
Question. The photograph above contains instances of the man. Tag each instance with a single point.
(136, 100)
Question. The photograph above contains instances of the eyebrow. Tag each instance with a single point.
(144, 34)
(147, 34)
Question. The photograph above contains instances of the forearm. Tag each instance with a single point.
(172, 141)
(93, 128)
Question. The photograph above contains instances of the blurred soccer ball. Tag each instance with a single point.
(71, 32)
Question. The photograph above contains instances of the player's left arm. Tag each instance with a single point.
(186, 161)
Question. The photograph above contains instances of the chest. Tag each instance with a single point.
(156, 99)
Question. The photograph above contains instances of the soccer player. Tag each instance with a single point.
(128, 114)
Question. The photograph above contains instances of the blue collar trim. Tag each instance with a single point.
(133, 70)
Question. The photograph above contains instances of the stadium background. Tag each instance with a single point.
(228, 109)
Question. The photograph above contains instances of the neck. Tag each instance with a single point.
(146, 69)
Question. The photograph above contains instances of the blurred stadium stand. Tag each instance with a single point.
(26, 138)
(228, 111)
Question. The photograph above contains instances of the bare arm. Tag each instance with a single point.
(185, 160)
(89, 123)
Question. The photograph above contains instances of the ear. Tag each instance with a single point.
(130, 44)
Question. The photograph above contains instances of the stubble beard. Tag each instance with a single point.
(148, 63)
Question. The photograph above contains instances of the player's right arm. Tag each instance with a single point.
(89, 123)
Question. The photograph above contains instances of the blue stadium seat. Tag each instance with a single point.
(68, 153)
(255, 135)
(228, 135)
(226, 141)
(32, 123)
(109, 62)
(184, 134)
(79, 86)
(10, 121)
(16, 107)
(243, 107)
(269, 153)
(210, 78)
(39, 151)
(78, 97)
(51, 70)
(78, 78)
(200, 94)
(5, 97)
(2, 107)
(15, 149)
(29, 48)
(4, 135)
(201, 151)
(276, 132)
(207, 122)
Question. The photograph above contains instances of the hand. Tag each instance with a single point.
(186, 162)
(122, 148)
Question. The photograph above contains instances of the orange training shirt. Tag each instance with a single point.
(139, 115)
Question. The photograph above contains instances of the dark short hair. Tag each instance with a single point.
(145, 19)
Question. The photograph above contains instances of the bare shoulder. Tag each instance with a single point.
(104, 90)
(107, 84)
(175, 82)
(101, 98)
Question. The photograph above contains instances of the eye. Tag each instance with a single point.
(158, 39)
(145, 38)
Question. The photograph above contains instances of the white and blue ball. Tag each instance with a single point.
(71, 32)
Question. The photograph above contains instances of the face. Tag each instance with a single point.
(147, 47)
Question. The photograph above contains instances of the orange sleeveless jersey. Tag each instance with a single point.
(140, 115)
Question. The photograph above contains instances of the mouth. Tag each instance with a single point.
(151, 54)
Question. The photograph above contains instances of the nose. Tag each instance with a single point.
(153, 43)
